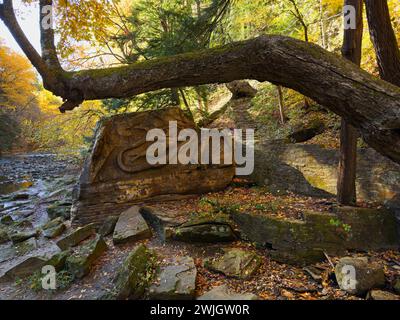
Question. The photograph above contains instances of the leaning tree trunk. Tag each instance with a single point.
(369, 104)
(351, 50)
(384, 40)
(281, 105)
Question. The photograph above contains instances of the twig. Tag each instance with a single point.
(329, 260)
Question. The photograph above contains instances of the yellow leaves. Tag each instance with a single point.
(48, 103)
(17, 79)
(87, 20)
(394, 7)
(333, 7)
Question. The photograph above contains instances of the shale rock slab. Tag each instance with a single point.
(76, 236)
(207, 230)
(175, 282)
(131, 280)
(223, 293)
(237, 263)
(382, 295)
(80, 262)
(131, 227)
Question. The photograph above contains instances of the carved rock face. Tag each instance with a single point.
(117, 175)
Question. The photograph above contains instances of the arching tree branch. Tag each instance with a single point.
(368, 103)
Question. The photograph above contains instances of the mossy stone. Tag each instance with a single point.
(53, 223)
(237, 263)
(108, 226)
(55, 231)
(132, 278)
(80, 262)
(7, 220)
(76, 236)
(58, 260)
(59, 209)
(22, 236)
(3, 236)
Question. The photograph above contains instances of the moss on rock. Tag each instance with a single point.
(134, 276)
(305, 242)
(80, 262)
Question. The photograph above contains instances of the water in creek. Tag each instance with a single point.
(10, 186)
(28, 180)
(20, 172)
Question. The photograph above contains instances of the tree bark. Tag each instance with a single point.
(367, 103)
(281, 106)
(352, 51)
(346, 185)
(384, 40)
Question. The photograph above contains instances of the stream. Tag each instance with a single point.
(29, 180)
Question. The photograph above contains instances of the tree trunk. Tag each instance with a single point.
(351, 50)
(185, 102)
(384, 40)
(322, 25)
(281, 106)
(175, 97)
(346, 185)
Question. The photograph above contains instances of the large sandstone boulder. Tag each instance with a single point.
(312, 170)
(117, 175)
